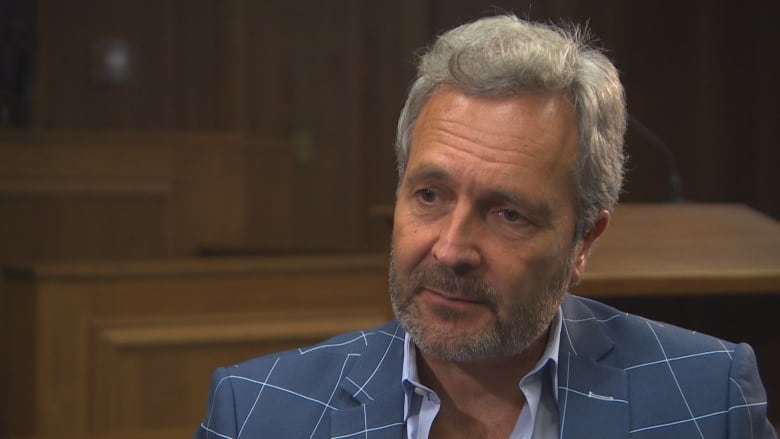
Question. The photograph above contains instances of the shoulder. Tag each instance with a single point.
(287, 393)
(325, 356)
(639, 340)
(674, 372)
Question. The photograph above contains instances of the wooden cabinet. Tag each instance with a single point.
(131, 345)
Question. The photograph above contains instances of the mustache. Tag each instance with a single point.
(471, 286)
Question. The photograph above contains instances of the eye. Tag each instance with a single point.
(511, 216)
(427, 195)
(510, 222)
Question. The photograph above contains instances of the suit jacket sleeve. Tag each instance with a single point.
(220, 419)
(747, 417)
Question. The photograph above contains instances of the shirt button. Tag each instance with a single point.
(420, 391)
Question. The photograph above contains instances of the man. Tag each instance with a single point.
(510, 161)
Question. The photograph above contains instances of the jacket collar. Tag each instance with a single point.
(595, 394)
(587, 387)
(375, 382)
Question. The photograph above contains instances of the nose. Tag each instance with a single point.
(457, 245)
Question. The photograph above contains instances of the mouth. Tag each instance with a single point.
(449, 297)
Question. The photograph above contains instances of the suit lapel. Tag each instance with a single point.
(592, 397)
(374, 382)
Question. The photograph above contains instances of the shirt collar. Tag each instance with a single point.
(410, 379)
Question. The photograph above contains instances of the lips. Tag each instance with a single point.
(449, 297)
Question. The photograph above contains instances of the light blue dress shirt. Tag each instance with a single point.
(539, 417)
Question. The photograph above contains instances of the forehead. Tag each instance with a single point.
(528, 133)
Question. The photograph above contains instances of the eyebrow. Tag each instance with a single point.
(427, 172)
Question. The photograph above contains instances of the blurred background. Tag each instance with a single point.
(287, 110)
(154, 130)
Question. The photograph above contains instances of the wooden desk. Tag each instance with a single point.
(685, 249)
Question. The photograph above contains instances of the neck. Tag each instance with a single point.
(469, 380)
(478, 398)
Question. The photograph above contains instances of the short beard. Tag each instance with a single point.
(511, 333)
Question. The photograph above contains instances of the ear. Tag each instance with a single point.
(583, 248)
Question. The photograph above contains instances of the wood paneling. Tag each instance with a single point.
(305, 63)
(687, 249)
(330, 78)
(109, 346)
(184, 58)
(327, 78)
(83, 201)
(392, 33)
(145, 369)
(66, 196)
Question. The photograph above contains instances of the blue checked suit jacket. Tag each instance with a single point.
(619, 376)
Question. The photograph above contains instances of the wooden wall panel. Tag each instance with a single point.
(153, 375)
(85, 226)
(329, 79)
(392, 33)
(132, 345)
(17, 401)
(122, 196)
(318, 76)
(304, 60)
(85, 200)
(269, 199)
(184, 65)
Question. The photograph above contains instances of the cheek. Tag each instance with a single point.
(527, 268)
(406, 247)
(411, 244)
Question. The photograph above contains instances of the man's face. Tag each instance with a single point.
(483, 241)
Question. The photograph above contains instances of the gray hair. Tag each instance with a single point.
(503, 56)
